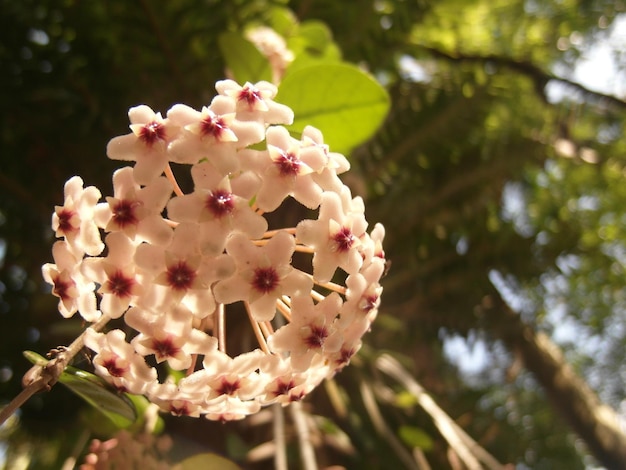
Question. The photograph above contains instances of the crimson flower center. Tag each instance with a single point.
(283, 388)
(213, 126)
(120, 285)
(250, 96)
(180, 276)
(65, 220)
(61, 288)
(152, 132)
(316, 337)
(124, 213)
(228, 388)
(165, 347)
(288, 164)
(220, 203)
(112, 366)
(343, 239)
(265, 279)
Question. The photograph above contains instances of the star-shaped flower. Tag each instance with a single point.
(254, 102)
(285, 169)
(75, 291)
(216, 137)
(169, 336)
(116, 274)
(312, 331)
(74, 220)
(263, 275)
(117, 361)
(146, 144)
(335, 235)
(136, 211)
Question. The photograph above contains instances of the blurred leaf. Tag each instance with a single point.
(341, 100)
(243, 59)
(415, 437)
(208, 461)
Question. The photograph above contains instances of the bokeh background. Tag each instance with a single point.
(498, 174)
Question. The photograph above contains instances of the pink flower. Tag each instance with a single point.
(74, 220)
(117, 361)
(136, 211)
(207, 134)
(169, 336)
(263, 275)
(181, 273)
(335, 235)
(116, 273)
(75, 291)
(254, 102)
(285, 170)
(312, 331)
(146, 144)
(217, 207)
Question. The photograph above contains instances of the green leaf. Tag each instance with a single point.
(95, 391)
(415, 437)
(208, 461)
(243, 59)
(341, 100)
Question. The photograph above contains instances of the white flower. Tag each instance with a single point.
(146, 144)
(263, 275)
(74, 220)
(136, 211)
(174, 264)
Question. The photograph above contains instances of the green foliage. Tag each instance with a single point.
(343, 102)
(438, 172)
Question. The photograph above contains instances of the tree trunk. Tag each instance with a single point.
(595, 422)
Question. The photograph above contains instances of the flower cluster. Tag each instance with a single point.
(175, 268)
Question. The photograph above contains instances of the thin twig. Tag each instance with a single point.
(307, 453)
(170, 176)
(257, 330)
(280, 457)
(43, 377)
(465, 447)
(220, 325)
(381, 426)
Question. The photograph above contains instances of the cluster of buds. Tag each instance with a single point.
(175, 268)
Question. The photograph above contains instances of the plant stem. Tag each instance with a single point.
(307, 453)
(43, 377)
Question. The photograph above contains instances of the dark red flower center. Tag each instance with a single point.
(316, 337)
(288, 164)
(228, 387)
(368, 303)
(343, 240)
(152, 132)
(180, 276)
(61, 288)
(120, 285)
(220, 203)
(182, 410)
(250, 96)
(65, 220)
(283, 388)
(213, 126)
(124, 212)
(115, 369)
(345, 355)
(164, 348)
(265, 279)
